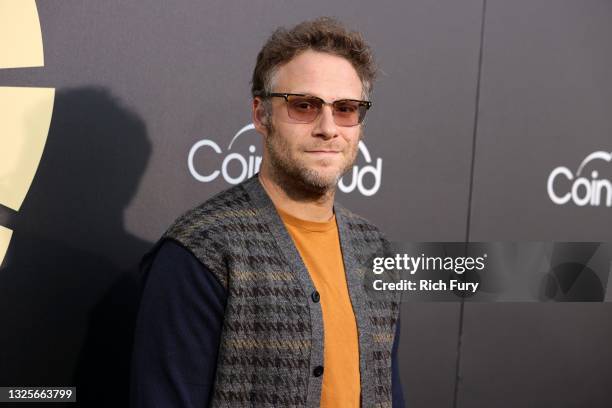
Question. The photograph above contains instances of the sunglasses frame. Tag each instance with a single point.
(366, 104)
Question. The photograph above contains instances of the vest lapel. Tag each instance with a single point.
(355, 274)
(269, 216)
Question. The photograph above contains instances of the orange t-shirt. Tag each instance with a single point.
(319, 246)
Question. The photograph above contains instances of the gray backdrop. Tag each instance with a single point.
(478, 102)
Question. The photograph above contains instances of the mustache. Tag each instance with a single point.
(333, 147)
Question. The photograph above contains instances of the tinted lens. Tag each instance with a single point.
(348, 113)
(304, 108)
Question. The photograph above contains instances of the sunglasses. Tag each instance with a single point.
(306, 108)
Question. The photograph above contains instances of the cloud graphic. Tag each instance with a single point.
(25, 112)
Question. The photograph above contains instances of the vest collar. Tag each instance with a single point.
(355, 280)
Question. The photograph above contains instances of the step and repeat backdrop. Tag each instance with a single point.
(491, 122)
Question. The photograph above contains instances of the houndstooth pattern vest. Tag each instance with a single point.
(272, 337)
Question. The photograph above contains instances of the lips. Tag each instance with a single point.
(323, 153)
(321, 149)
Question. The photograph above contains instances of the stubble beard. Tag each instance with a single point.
(294, 177)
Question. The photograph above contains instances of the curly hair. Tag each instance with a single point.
(324, 34)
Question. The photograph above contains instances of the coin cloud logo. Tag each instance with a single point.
(582, 188)
(239, 164)
(25, 111)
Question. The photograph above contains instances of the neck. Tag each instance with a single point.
(301, 203)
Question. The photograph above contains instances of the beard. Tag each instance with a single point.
(294, 176)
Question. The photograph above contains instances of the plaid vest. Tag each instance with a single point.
(271, 348)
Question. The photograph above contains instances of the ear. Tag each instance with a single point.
(259, 116)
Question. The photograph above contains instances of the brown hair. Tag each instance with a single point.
(323, 34)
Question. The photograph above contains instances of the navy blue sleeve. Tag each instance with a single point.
(396, 383)
(177, 333)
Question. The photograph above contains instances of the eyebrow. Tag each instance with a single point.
(312, 94)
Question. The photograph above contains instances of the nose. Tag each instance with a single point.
(325, 126)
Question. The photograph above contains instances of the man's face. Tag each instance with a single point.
(313, 155)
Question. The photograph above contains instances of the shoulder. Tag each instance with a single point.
(358, 224)
(204, 230)
(363, 235)
(176, 266)
(210, 216)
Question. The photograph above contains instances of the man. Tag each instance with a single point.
(256, 297)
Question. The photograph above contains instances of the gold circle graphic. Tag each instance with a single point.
(25, 111)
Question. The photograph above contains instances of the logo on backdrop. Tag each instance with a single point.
(590, 185)
(26, 111)
(242, 160)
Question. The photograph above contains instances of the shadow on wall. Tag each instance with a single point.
(69, 284)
